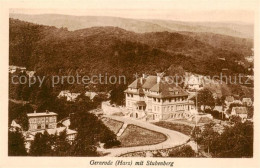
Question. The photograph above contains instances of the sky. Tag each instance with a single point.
(180, 10)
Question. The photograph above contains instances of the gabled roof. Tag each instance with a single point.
(167, 90)
(163, 88)
(136, 84)
(239, 110)
(150, 81)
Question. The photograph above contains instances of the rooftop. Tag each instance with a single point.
(239, 110)
(164, 89)
(41, 114)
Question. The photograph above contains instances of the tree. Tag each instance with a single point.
(236, 141)
(205, 98)
(117, 95)
(250, 111)
(109, 138)
(19, 112)
(91, 131)
(16, 145)
(196, 134)
(208, 136)
(184, 151)
(62, 146)
(42, 145)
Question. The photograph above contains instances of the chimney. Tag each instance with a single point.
(159, 77)
(47, 112)
(34, 111)
(142, 78)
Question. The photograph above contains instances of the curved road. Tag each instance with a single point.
(174, 138)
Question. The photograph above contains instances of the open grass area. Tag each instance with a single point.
(137, 136)
(113, 125)
(185, 129)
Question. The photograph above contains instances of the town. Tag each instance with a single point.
(170, 116)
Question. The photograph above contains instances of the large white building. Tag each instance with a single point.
(156, 98)
(41, 121)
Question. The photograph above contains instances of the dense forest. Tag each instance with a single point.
(116, 51)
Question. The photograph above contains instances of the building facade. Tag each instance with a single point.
(40, 121)
(155, 98)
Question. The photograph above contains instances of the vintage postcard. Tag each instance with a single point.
(129, 83)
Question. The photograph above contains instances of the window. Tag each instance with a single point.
(170, 100)
(159, 100)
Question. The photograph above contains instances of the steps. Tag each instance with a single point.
(122, 129)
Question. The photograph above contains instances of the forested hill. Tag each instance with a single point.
(114, 50)
(235, 29)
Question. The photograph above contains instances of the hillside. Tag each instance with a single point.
(138, 25)
(114, 51)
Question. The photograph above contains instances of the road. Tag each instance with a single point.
(174, 138)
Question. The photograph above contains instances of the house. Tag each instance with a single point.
(239, 111)
(219, 109)
(68, 95)
(15, 125)
(193, 82)
(13, 69)
(155, 98)
(229, 100)
(41, 121)
(202, 118)
(91, 95)
(247, 101)
(70, 134)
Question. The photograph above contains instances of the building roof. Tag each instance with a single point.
(136, 84)
(248, 100)
(61, 129)
(167, 90)
(41, 114)
(229, 99)
(239, 110)
(163, 88)
(150, 81)
(218, 108)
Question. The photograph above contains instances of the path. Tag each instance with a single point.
(174, 138)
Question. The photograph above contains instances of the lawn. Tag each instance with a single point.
(137, 136)
(113, 125)
(185, 129)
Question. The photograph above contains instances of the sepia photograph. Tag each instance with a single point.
(159, 82)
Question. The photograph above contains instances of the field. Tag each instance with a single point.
(137, 136)
(185, 129)
(113, 125)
